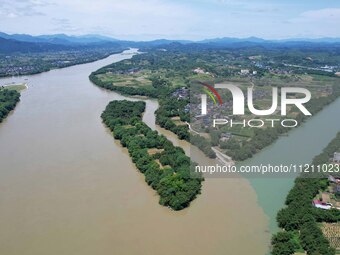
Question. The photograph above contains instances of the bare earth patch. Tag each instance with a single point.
(160, 164)
(153, 151)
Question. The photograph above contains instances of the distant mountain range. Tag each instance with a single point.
(10, 45)
(28, 43)
(58, 38)
(260, 40)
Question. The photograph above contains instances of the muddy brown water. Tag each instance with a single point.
(67, 187)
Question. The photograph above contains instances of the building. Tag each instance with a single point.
(244, 71)
(324, 206)
(199, 70)
(336, 158)
(225, 137)
(187, 108)
(337, 189)
(181, 93)
(333, 179)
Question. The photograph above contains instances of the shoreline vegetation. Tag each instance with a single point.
(265, 137)
(169, 107)
(16, 86)
(299, 220)
(45, 67)
(8, 101)
(139, 77)
(166, 168)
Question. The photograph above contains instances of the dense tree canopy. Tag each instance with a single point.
(8, 100)
(300, 216)
(171, 177)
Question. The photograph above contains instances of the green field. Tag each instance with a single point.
(17, 87)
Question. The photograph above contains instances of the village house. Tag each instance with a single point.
(181, 93)
(330, 196)
(337, 189)
(128, 71)
(225, 137)
(336, 157)
(187, 108)
(244, 71)
(333, 179)
(324, 206)
(199, 70)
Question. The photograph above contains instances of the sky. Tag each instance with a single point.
(173, 19)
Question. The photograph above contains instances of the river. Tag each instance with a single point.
(299, 147)
(67, 187)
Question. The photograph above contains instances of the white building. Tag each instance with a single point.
(321, 205)
(244, 71)
(336, 157)
(199, 71)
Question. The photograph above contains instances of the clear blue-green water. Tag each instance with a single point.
(299, 147)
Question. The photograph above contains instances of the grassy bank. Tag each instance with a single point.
(16, 87)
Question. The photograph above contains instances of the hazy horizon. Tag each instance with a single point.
(183, 39)
(174, 20)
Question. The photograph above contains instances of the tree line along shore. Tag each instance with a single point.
(300, 221)
(8, 101)
(166, 75)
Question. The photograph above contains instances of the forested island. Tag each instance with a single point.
(166, 167)
(8, 101)
(304, 226)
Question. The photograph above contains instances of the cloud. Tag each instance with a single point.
(20, 8)
(173, 19)
(328, 14)
(132, 17)
(317, 23)
(11, 15)
(63, 24)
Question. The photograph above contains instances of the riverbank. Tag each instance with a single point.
(72, 189)
(168, 169)
(225, 159)
(292, 149)
(299, 219)
(8, 101)
(41, 68)
(17, 87)
(150, 74)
